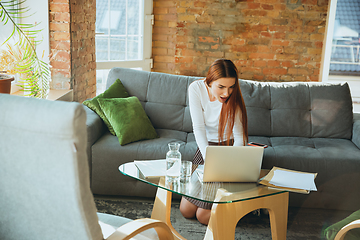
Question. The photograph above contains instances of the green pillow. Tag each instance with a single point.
(128, 119)
(353, 234)
(116, 90)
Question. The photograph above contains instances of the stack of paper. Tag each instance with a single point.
(294, 181)
(152, 168)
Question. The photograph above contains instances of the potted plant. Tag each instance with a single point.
(5, 83)
(6, 71)
(20, 46)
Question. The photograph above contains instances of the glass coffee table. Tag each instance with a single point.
(231, 201)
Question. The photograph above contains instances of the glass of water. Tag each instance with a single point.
(185, 171)
(173, 161)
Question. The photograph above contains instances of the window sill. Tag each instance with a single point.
(54, 95)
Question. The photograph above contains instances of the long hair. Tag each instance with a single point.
(224, 68)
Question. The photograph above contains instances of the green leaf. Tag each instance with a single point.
(34, 73)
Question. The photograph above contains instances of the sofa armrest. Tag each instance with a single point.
(95, 129)
(356, 130)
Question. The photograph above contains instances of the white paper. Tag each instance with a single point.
(293, 180)
(152, 168)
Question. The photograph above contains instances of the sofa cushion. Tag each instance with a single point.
(159, 94)
(128, 119)
(106, 178)
(298, 109)
(116, 90)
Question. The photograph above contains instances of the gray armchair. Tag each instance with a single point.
(44, 177)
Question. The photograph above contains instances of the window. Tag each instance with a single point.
(341, 55)
(346, 40)
(123, 36)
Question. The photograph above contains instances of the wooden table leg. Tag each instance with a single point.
(224, 217)
(162, 208)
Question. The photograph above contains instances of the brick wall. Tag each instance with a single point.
(269, 40)
(59, 25)
(72, 41)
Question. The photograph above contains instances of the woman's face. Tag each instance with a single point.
(222, 88)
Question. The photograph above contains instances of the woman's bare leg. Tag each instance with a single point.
(190, 210)
(187, 209)
(203, 215)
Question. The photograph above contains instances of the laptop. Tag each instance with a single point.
(232, 164)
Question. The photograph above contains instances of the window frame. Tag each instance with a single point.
(325, 72)
(352, 80)
(146, 62)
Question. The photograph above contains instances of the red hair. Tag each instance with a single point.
(224, 68)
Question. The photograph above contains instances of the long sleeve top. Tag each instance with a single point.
(205, 115)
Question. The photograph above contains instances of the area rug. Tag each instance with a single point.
(303, 224)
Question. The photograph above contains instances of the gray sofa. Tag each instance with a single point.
(308, 127)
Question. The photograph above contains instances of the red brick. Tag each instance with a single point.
(59, 7)
(61, 36)
(242, 63)
(167, 17)
(319, 44)
(188, 67)
(215, 47)
(260, 64)
(273, 64)
(199, 4)
(159, 51)
(260, 13)
(266, 34)
(184, 59)
(62, 56)
(208, 39)
(167, 59)
(309, 2)
(286, 56)
(267, 6)
(280, 35)
(272, 77)
(245, 48)
(61, 27)
(287, 64)
(217, 54)
(258, 77)
(262, 56)
(250, 69)
(160, 10)
(60, 64)
(278, 28)
(252, 5)
(277, 49)
(263, 49)
(278, 71)
(62, 17)
(257, 28)
(280, 43)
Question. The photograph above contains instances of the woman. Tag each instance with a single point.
(218, 115)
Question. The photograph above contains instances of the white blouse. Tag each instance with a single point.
(205, 116)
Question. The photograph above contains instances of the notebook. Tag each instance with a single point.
(232, 164)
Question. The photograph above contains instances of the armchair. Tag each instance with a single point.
(346, 229)
(44, 177)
